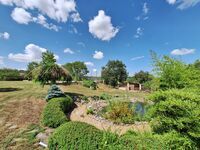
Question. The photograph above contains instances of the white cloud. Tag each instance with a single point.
(182, 51)
(59, 10)
(31, 53)
(76, 17)
(137, 58)
(145, 8)
(139, 32)
(183, 4)
(145, 11)
(21, 16)
(69, 51)
(5, 35)
(73, 29)
(101, 27)
(42, 21)
(1, 60)
(98, 55)
(89, 64)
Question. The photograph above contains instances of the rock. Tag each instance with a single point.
(42, 137)
(12, 127)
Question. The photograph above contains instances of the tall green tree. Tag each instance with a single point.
(31, 66)
(77, 69)
(48, 70)
(114, 72)
(174, 73)
(197, 64)
(141, 77)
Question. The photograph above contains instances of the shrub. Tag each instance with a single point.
(54, 113)
(119, 112)
(105, 96)
(54, 92)
(90, 84)
(75, 135)
(177, 110)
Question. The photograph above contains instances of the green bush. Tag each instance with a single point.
(105, 96)
(75, 135)
(11, 75)
(177, 110)
(119, 112)
(90, 84)
(54, 113)
(54, 92)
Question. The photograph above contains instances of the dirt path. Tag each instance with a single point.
(80, 114)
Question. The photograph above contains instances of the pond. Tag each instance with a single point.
(140, 108)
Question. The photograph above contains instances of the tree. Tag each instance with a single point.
(48, 70)
(114, 72)
(141, 77)
(174, 73)
(77, 69)
(197, 64)
(31, 66)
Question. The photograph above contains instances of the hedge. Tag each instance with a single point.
(54, 113)
(75, 135)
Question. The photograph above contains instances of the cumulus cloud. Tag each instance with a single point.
(21, 16)
(139, 32)
(5, 35)
(94, 70)
(182, 51)
(58, 10)
(137, 58)
(31, 53)
(183, 4)
(98, 55)
(69, 51)
(101, 27)
(1, 60)
(90, 64)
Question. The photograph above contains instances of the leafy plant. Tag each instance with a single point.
(54, 112)
(54, 92)
(90, 84)
(105, 96)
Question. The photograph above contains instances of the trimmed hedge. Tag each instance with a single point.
(54, 92)
(75, 135)
(54, 113)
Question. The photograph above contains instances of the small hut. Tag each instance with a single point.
(131, 87)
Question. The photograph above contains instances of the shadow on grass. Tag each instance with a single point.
(10, 89)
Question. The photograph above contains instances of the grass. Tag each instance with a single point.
(21, 103)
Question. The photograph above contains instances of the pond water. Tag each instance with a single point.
(140, 108)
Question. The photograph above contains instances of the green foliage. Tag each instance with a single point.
(30, 68)
(48, 70)
(174, 73)
(75, 135)
(77, 69)
(90, 84)
(114, 72)
(197, 64)
(119, 112)
(90, 111)
(141, 77)
(177, 110)
(53, 92)
(54, 112)
(105, 96)
(10, 75)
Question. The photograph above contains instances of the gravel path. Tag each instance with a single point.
(80, 114)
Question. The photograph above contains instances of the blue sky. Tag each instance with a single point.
(96, 31)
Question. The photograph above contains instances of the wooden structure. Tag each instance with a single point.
(131, 87)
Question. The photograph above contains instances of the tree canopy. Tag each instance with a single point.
(114, 72)
(77, 69)
(48, 70)
(141, 77)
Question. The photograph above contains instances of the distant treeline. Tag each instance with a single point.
(7, 74)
